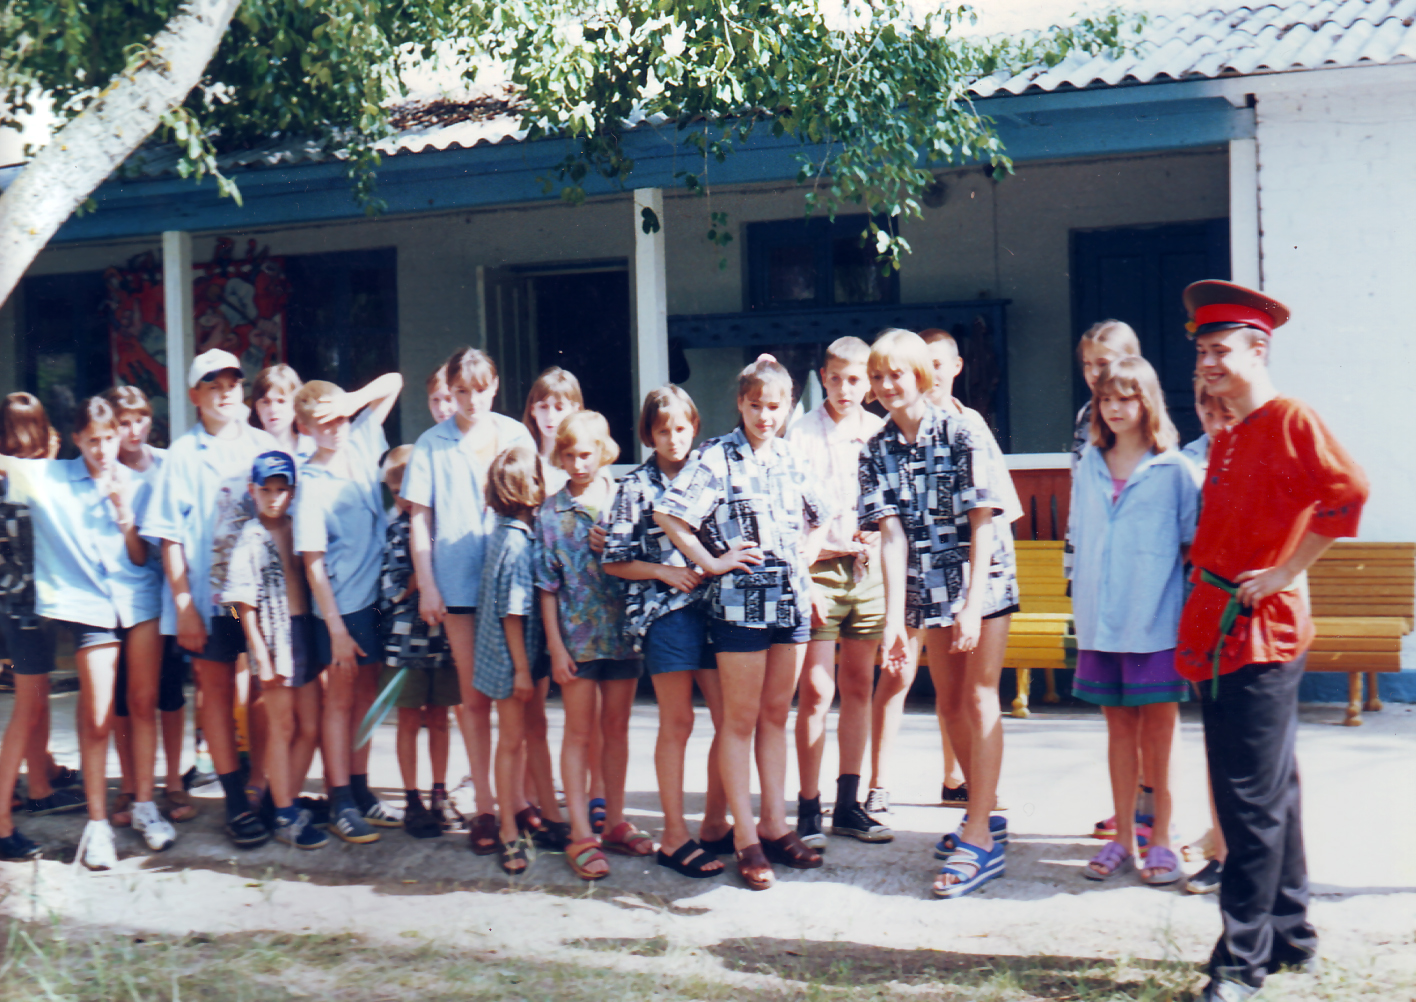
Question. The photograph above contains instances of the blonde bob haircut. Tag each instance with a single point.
(470, 367)
(667, 399)
(765, 375)
(311, 395)
(904, 350)
(554, 382)
(1116, 336)
(587, 426)
(514, 484)
(1132, 376)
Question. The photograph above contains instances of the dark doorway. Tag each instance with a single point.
(342, 321)
(583, 325)
(64, 353)
(1136, 274)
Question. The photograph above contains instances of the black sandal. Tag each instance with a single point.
(691, 860)
(513, 852)
(719, 846)
(552, 835)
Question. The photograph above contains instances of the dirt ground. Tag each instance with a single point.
(868, 906)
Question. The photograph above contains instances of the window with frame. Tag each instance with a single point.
(812, 263)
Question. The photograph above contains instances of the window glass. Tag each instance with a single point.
(791, 273)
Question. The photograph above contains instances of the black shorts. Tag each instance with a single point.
(462, 610)
(30, 651)
(226, 641)
(363, 626)
(1002, 612)
(170, 679)
(306, 666)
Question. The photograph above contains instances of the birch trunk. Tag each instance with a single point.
(89, 148)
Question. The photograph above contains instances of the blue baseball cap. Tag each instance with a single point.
(273, 464)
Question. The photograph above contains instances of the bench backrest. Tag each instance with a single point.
(1365, 580)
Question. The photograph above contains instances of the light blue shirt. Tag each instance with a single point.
(1127, 575)
(443, 475)
(1198, 451)
(82, 570)
(345, 519)
(200, 499)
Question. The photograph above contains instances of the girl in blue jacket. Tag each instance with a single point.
(1135, 502)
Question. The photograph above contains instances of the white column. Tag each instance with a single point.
(177, 311)
(651, 302)
(1245, 261)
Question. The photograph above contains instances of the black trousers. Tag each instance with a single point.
(1251, 734)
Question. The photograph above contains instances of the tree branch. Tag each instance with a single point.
(82, 154)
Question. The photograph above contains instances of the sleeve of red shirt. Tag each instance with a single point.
(1339, 486)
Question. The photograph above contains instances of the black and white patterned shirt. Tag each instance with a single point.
(408, 641)
(16, 561)
(931, 486)
(634, 535)
(729, 496)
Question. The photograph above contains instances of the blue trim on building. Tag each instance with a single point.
(1108, 122)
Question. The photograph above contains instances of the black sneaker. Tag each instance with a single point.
(191, 779)
(853, 821)
(318, 808)
(58, 802)
(956, 796)
(66, 777)
(809, 823)
(299, 833)
(246, 831)
(1206, 881)
(15, 846)
(420, 822)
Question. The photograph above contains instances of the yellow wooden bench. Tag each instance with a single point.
(1041, 634)
(1362, 596)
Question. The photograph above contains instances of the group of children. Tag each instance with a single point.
(768, 563)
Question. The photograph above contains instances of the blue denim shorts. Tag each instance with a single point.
(733, 638)
(678, 641)
(363, 626)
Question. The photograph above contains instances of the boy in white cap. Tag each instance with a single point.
(198, 504)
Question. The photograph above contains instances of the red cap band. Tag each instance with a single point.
(1231, 313)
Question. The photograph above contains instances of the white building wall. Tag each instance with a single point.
(1337, 193)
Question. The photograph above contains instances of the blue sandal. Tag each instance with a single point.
(972, 867)
(598, 815)
(997, 827)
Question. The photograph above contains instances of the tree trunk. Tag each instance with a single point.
(89, 148)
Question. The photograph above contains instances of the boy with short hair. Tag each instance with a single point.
(266, 583)
(430, 686)
(1278, 490)
(848, 599)
(441, 405)
(198, 503)
(339, 530)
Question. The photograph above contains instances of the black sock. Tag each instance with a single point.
(847, 792)
(440, 787)
(807, 806)
(412, 798)
(340, 797)
(235, 793)
(359, 785)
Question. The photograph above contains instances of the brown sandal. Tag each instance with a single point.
(790, 850)
(122, 814)
(628, 840)
(484, 835)
(754, 869)
(179, 805)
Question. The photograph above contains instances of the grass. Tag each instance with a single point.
(51, 963)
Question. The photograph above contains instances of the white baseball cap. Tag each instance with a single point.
(209, 363)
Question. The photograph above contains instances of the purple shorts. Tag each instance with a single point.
(1108, 679)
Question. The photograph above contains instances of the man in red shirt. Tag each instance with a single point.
(1279, 489)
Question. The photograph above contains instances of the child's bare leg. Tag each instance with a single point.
(887, 707)
(216, 681)
(742, 676)
(366, 690)
(814, 695)
(1156, 738)
(715, 802)
(309, 709)
(279, 703)
(509, 769)
(778, 683)
(256, 733)
(854, 678)
(123, 745)
(410, 721)
(474, 716)
(578, 697)
(98, 668)
(142, 648)
(974, 721)
(31, 700)
(538, 753)
(942, 666)
(174, 728)
(1218, 848)
(1122, 739)
(674, 693)
(37, 758)
(336, 737)
(616, 703)
(595, 759)
(435, 718)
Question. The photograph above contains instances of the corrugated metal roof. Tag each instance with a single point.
(1193, 39)
(1211, 40)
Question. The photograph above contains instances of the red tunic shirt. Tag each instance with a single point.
(1272, 478)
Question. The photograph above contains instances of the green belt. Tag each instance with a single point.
(1227, 619)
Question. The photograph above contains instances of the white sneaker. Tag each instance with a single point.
(96, 846)
(156, 830)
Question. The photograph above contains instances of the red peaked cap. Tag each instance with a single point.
(1220, 306)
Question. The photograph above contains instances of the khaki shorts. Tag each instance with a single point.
(425, 687)
(857, 610)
